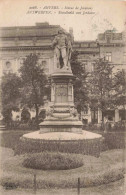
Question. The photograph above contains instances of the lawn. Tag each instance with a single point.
(10, 139)
(95, 171)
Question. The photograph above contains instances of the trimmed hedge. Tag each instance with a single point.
(53, 161)
(116, 127)
(114, 140)
(85, 147)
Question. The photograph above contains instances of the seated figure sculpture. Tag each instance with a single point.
(62, 49)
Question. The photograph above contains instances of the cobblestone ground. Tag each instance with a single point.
(115, 188)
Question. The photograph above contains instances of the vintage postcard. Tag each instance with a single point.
(62, 97)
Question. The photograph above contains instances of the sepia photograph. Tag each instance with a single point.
(62, 97)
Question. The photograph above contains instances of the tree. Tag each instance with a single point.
(10, 95)
(80, 85)
(100, 85)
(34, 83)
(119, 89)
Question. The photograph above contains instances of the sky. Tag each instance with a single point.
(87, 18)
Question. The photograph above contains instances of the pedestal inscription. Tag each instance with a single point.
(61, 93)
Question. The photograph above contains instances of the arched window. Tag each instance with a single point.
(109, 56)
(45, 66)
(8, 64)
(85, 109)
(7, 67)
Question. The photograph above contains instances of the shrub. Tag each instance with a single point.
(30, 125)
(24, 126)
(114, 140)
(91, 127)
(20, 125)
(53, 161)
(86, 147)
(119, 126)
(33, 124)
(8, 184)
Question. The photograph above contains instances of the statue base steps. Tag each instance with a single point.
(61, 126)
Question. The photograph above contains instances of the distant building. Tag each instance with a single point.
(17, 42)
(112, 47)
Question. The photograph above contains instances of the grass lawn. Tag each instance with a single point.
(10, 138)
(95, 171)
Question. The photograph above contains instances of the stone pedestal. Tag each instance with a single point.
(62, 116)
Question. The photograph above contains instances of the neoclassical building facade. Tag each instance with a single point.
(17, 42)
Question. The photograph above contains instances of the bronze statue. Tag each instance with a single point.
(62, 48)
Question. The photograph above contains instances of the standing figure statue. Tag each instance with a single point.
(62, 47)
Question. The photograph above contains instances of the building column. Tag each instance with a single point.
(53, 92)
(116, 115)
(89, 115)
(99, 115)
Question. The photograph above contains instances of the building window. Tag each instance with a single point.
(110, 118)
(8, 67)
(20, 62)
(22, 59)
(122, 114)
(45, 66)
(85, 66)
(85, 110)
(124, 57)
(108, 56)
(43, 63)
(108, 38)
(88, 66)
(94, 116)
